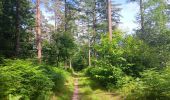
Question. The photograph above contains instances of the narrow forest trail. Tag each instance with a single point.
(87, 89)
(76, 92)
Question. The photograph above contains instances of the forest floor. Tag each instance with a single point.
(87, 89)
(80, 87)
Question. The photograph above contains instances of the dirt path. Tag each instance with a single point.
(87, 89)
(76, 92)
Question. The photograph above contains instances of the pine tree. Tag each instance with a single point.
(14, 38)
(141, 13)
(109, 19)
(38, 30)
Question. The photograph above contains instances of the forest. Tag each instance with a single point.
(77, 50)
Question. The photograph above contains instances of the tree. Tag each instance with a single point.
(15, 26)
(60, 49)
(54, 7)
(141, 13)
(38, 30)
(109, 19)
(155, 29)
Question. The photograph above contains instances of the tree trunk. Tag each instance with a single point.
(38, 30)
(65, 26)
(109, 19)
(17, 28)
(89, 54)
(141, 15)
(94, 26)
(94, 21)
(55, 16)
(89, 51)
(70, 63)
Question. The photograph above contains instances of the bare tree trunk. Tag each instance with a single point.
(65, 64)
(89, 51)
(94, 21)
(89, 54)
(141, 15)
(94, 26)
(70, 63)
(38, 30)
(65, 15)
(109, 19)
(17, 28)
(55, 16)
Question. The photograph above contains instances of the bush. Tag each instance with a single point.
(153, 85)
(105, 75)
(157, 84)
(27, 80)
(22, 78)
(58, 76)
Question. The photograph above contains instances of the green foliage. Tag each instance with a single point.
(153, 85)
(60, 49)
(58, 76)
(111, 53)
(105, 75)
(80, 58)
(107, 68)
(21, 78)
(130, 54)
(156, 33)
(138, 55)
(27, 80)
(8, 24)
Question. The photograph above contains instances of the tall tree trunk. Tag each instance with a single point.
(109, 19)
(141, 15)
(55, 19)
(38, 30)
(89, 54)
(94, 21)
(94, 26)
(65, 26)
(66, 9)
(17, 28)
(89, 51)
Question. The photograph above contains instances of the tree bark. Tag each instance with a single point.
(70, 61)
(89, 54)
(141, 15)
(94, 27)
(17, 28)
(89, 51)
(65, 15)
(55, 19)
(94, 21)
(38, 30)
(109, 19)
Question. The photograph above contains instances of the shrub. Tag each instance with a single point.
(153, 85)
(156, 84)
(27, 80)
(105, 75)
(57, 75)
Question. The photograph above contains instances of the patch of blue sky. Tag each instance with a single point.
(129, 12)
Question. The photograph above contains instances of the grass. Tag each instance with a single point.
(67, 91)
(90, 90)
